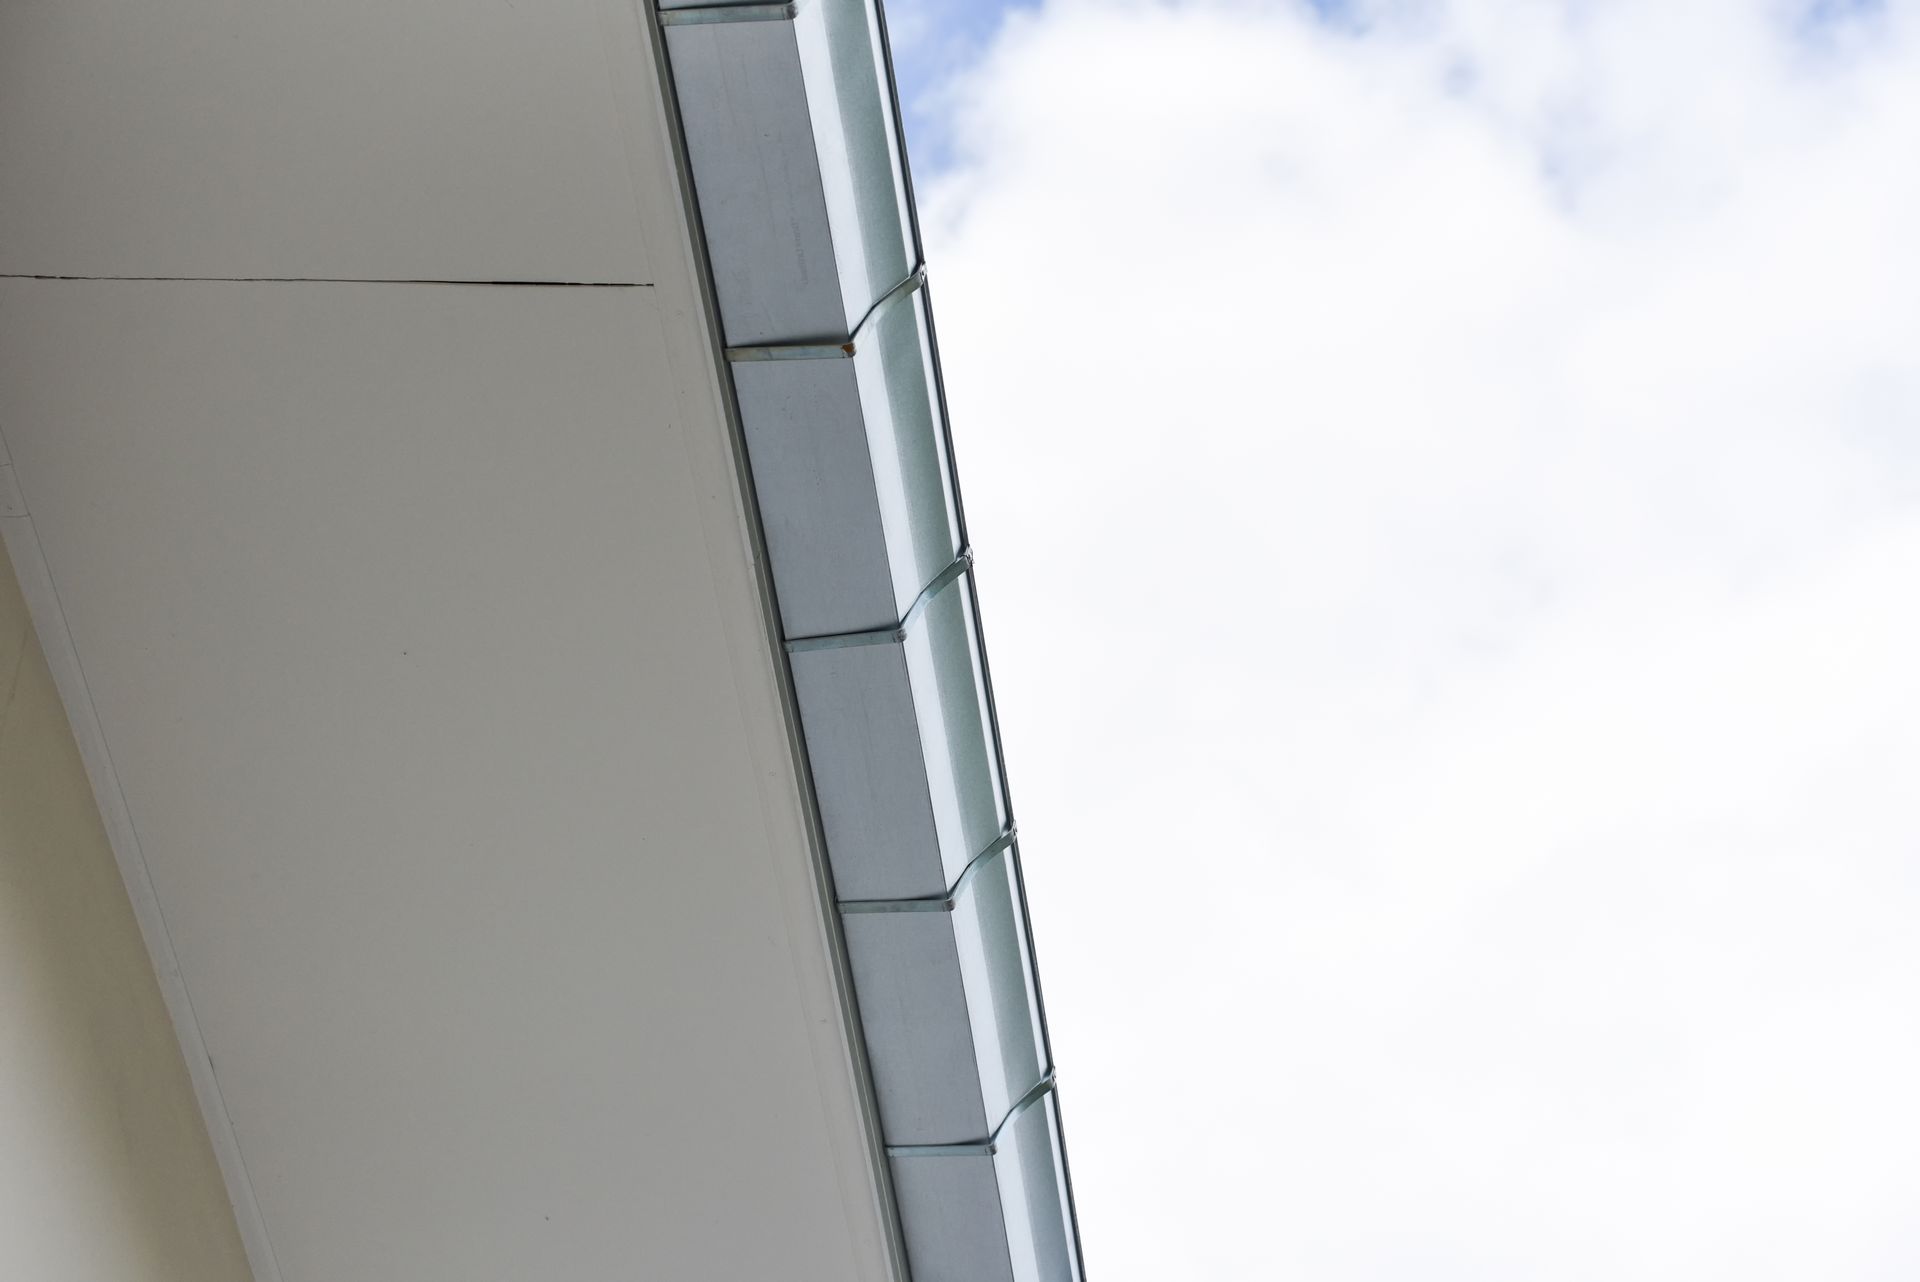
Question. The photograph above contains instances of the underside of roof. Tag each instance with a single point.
(482, 482)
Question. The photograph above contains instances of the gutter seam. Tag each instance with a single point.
(935, 903)
(837, 349)
(715, 13)
(991, 1144)
(894, 632)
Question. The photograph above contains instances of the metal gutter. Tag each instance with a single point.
(790, 125)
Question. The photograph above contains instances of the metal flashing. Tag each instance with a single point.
(983, 1147)
(842, 349)
(898, 632)
(798, 173)
(935, 903)
(729, 13)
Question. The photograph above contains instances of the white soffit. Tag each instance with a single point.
(391, 139)
(414, 638)
(431, 697)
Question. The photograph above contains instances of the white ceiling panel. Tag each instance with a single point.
(389, 139)
(428, 658)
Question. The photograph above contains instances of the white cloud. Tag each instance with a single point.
(1447, 483)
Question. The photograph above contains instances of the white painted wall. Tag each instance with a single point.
(105, 1170)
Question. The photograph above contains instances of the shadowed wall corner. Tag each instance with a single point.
(105, 1166)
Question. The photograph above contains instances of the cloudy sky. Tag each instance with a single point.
(1446, 479)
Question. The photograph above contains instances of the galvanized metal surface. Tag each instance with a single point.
(672, 15)
(903, 760)
(832, 351)
(949, 1007)
(995, 1212)
(791, 127)
(869, 516)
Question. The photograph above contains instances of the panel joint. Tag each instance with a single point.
(897, 632)
(991, 1144)
(936, 903)
(708, 14)
(831, 350)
